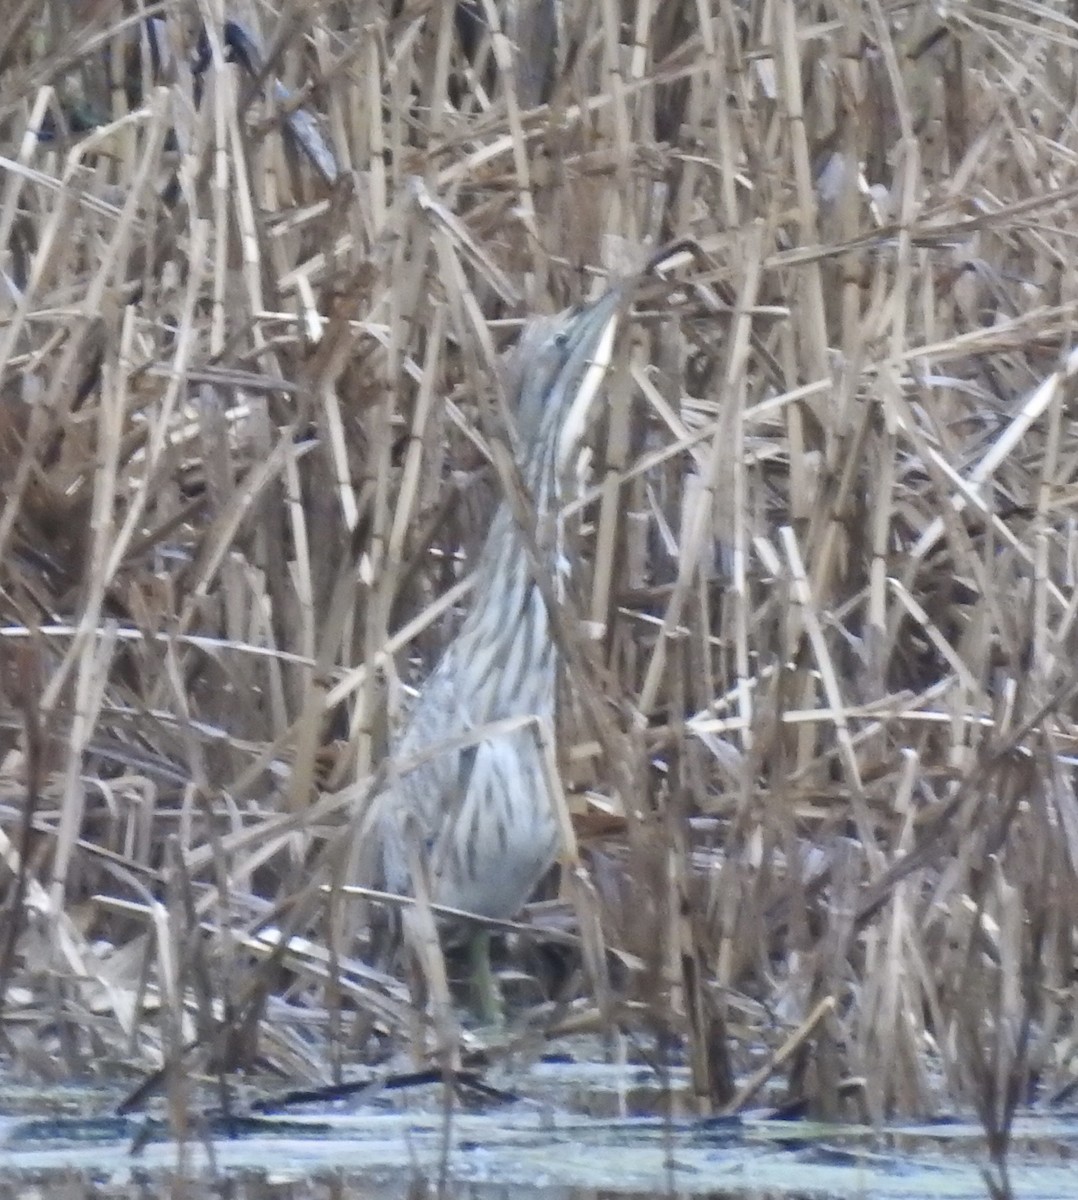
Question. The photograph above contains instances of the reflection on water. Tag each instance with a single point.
(65, 1145)
(332, 1186)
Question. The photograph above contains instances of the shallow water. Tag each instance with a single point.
(545, 1146)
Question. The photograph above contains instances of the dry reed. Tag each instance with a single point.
(821, 714)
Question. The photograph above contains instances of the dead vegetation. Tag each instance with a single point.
(822, 704)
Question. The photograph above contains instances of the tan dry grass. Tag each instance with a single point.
(821, 656)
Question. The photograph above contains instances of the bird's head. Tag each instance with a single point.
(560, 364)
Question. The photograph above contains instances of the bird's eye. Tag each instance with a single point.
(561, 339)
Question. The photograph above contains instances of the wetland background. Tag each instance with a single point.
(259, 264)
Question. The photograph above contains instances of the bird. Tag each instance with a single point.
(482, 815)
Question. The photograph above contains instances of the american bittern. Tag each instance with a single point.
(482, 815)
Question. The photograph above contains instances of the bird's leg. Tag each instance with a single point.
(486, 995)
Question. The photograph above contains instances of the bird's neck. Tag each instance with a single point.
(505, 634)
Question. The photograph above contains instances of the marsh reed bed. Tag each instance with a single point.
(821, 706)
